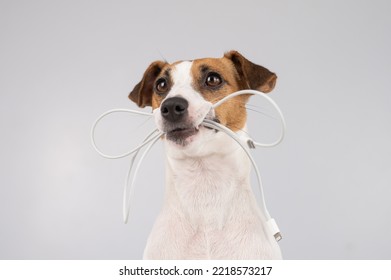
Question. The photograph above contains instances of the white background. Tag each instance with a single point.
(63, 63)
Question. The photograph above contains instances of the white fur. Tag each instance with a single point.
(209, 209)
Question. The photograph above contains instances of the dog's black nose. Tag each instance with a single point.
(173, 109)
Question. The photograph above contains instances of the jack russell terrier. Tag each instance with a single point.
(209, 209)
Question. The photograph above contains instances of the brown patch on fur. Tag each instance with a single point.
(237, 73)
(233, 112)
(143, 91)
(253, 76)
(156, 101)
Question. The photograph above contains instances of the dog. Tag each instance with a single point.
(209, 209)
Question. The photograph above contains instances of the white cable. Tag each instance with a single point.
(270, 222)
(152, 138)
(117, 111)
(274, 104)
(126, 200)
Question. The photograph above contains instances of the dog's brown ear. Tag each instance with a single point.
(253, 76)
(142, 92)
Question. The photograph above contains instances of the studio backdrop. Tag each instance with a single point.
(63, 63)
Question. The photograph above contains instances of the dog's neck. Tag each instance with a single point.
(205, 188)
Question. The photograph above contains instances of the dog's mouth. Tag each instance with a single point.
(180, 134)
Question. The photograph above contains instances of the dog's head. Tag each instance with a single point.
(181, 95)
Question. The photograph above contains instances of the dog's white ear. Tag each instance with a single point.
(252, 76)
(142, 92)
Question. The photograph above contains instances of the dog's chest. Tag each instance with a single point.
(216, 215)
(206, 188)
(210, 212)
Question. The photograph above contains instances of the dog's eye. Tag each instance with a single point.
(161, 85)
(213, 80)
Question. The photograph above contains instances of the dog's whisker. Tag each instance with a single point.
(232, 100)
(255, 106)
(246, 105)
(143, 123)
(237, 128)
(262, 113)
(241, 103)
(162, 56)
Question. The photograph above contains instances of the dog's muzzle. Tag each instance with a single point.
(177, 124)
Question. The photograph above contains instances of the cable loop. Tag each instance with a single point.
(155, 135)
